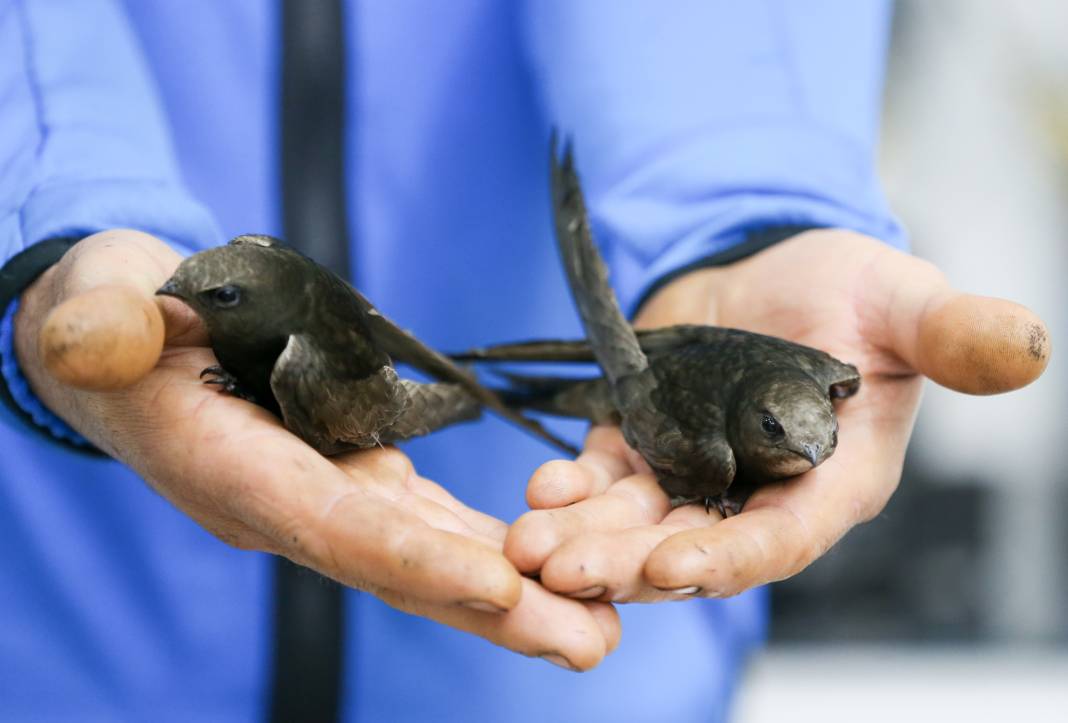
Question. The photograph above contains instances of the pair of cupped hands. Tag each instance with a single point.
(601, 531)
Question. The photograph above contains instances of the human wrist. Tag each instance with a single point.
(17, 353)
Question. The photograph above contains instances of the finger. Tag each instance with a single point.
(480, 523)
(982, 345)
(972, 344)
(104, 339)
(103, 329)
(609, 565)
(635, 500)
(117, 256)
(787, 525)
(377, 471)
(427, 499)
(607, 619)
(568, 633)
(363, 541)
(605, 459)
(182, 325)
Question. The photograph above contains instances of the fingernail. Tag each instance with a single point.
(691, 590)
(484, 607)
(558, 660)
(590, 592)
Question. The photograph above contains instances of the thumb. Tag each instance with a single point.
(968, 343)
(104, 328)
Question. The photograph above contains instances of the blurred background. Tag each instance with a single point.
(954, 602)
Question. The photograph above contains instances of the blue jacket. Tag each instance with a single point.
(695, 122)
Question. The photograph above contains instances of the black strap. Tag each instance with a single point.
(756, 240)
(309, 609)
(18, 273)
(308, 645)
(313, 126)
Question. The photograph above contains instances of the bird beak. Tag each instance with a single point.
(169, 289)
(812, 453)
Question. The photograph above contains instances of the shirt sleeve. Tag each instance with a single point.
(84, 147)
(83, 140)
(697, 122)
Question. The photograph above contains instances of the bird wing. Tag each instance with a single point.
(704, 467)
(403, 346)
(335, 414)
(588, 398)
(431, 407)
(838, 378)
(610, 334)
(547, 350)
(843, 380)
(611, 337)
(579, 350)
(329, 412)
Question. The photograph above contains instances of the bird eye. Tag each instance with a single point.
(771, 426)
(225, 297)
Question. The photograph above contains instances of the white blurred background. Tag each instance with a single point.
(954, 603)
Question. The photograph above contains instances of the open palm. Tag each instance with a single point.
(602, 528)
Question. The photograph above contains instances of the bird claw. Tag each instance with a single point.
(213, 370)
(226, 382)
(725, 507)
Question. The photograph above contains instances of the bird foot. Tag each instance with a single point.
(725, 507)
(226, 382)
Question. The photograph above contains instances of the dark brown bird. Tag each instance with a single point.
(295, 338)
(713, 411)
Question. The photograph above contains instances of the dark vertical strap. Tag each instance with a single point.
(309, 609)
(309, 629)
(313, 124)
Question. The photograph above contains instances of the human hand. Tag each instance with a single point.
(601, 527)
(365, 519)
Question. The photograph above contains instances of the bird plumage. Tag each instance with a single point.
(298, 340)
(714, 411)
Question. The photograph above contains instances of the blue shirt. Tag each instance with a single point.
(694, 121)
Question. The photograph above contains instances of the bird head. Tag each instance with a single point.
(783, 424)
(242, 290)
